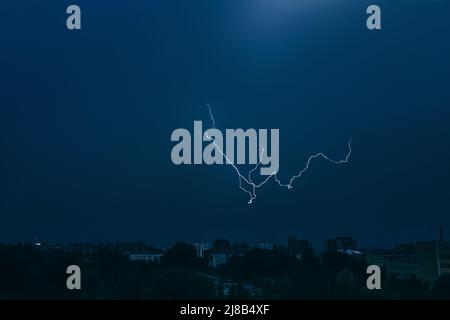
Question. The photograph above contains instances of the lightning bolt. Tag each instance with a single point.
(248, 180)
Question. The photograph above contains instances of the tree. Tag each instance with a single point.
(183, 255)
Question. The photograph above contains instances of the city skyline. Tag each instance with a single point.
(87, 117)
(318, 245)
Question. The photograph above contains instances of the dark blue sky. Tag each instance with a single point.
(86, 118)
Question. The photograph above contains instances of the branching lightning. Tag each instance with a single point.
(252, 185)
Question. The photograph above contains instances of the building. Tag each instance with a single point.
(425, 260)
(221, 245)
(123, 247)
(299, 248)
(220, 253)
(401, 262)
(297, 245)
(376, 257)
(240, 249)
(261, 245)
(146, 257)
(401, 265)
(347, 278)
(340, 243)
(216, 259)
(433, 260)
(349, 252)
(201, 248)
(86, 248)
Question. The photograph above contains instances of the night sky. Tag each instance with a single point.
(86, 118)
